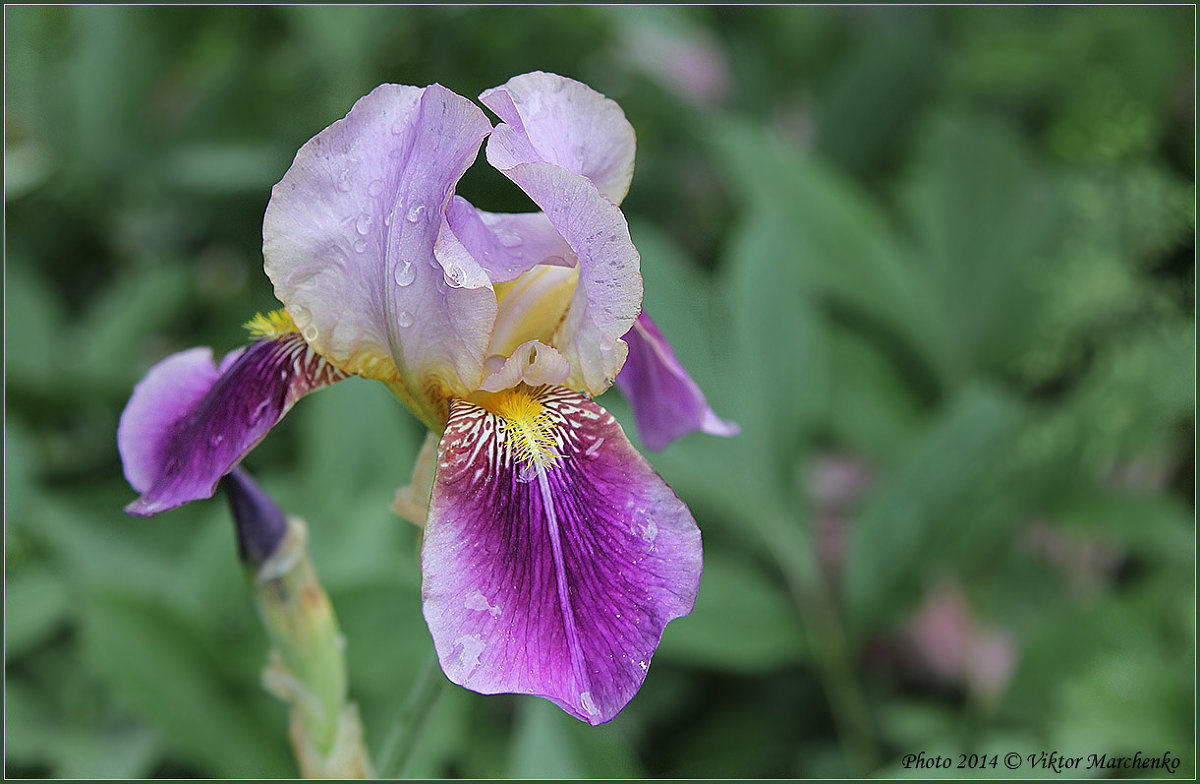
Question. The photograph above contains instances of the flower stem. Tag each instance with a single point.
(827, 641)
(307, 669)
(402, 737)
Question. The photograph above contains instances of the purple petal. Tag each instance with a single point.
(564, 122)
(349, 239)
(532, 363)
(609, 295)
(506, 245)
(260, 524)
(554, 581)
(188, 424)
(667, 403)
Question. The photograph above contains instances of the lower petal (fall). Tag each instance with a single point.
(188, 422)
(554, 555)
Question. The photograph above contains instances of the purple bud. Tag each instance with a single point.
(260, 522)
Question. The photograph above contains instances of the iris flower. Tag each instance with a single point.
(553, 554)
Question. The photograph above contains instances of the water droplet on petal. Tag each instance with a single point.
(592, 450)
(589, 705)
(508, 239)
(257, 414)
(398, 127)
(404, 318)
(405, 273)
(416, 213)
(300, 315)
(342, 183)
(455, 275)
(363, 224)
(216, 439)
(360, 246)
(375, 188)
(310, 332)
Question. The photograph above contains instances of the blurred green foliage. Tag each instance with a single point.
(938, 262)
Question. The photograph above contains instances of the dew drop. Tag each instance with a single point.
(310, 332)
(398, 127)
(375, 188)
(360, 246)
(342, 183)
(300, 315)
(405, 273)
(508, 239)
(416, 213)
(589, 705)
(216, 439)
(455, 275)
(363, 224)
(257, 414)
(404, 319)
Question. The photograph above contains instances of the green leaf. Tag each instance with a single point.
(743, 621)
(36, 605)
(985, 225)
(36, 312)
(162, 667)
(930, 500)
(114, 328)
(822, 235)
(876, 90)
(541, 748)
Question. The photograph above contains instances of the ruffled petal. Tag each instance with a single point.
(667, 403)
(189, 423)
(532, 363)
(548, 157)
(564, 122)
(552, 574)
(609, 295)
(507, 245)
(349, 240)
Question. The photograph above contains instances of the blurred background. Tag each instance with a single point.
(938, 262)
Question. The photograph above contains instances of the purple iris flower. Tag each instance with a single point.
(553, 554)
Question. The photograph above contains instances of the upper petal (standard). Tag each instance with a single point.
(349, 237)
(551, 118)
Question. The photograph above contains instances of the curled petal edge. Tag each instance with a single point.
(188, 422)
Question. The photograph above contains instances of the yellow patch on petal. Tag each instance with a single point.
(531, 307)
(528, 427)
(275, 324)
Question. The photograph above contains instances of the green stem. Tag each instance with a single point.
(402, 737)
(307, 668)
(827, 641)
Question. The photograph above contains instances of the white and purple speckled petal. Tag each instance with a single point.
(667, 403)
(189, 423)
(555, 581)
(564, 122)
(349, 238)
